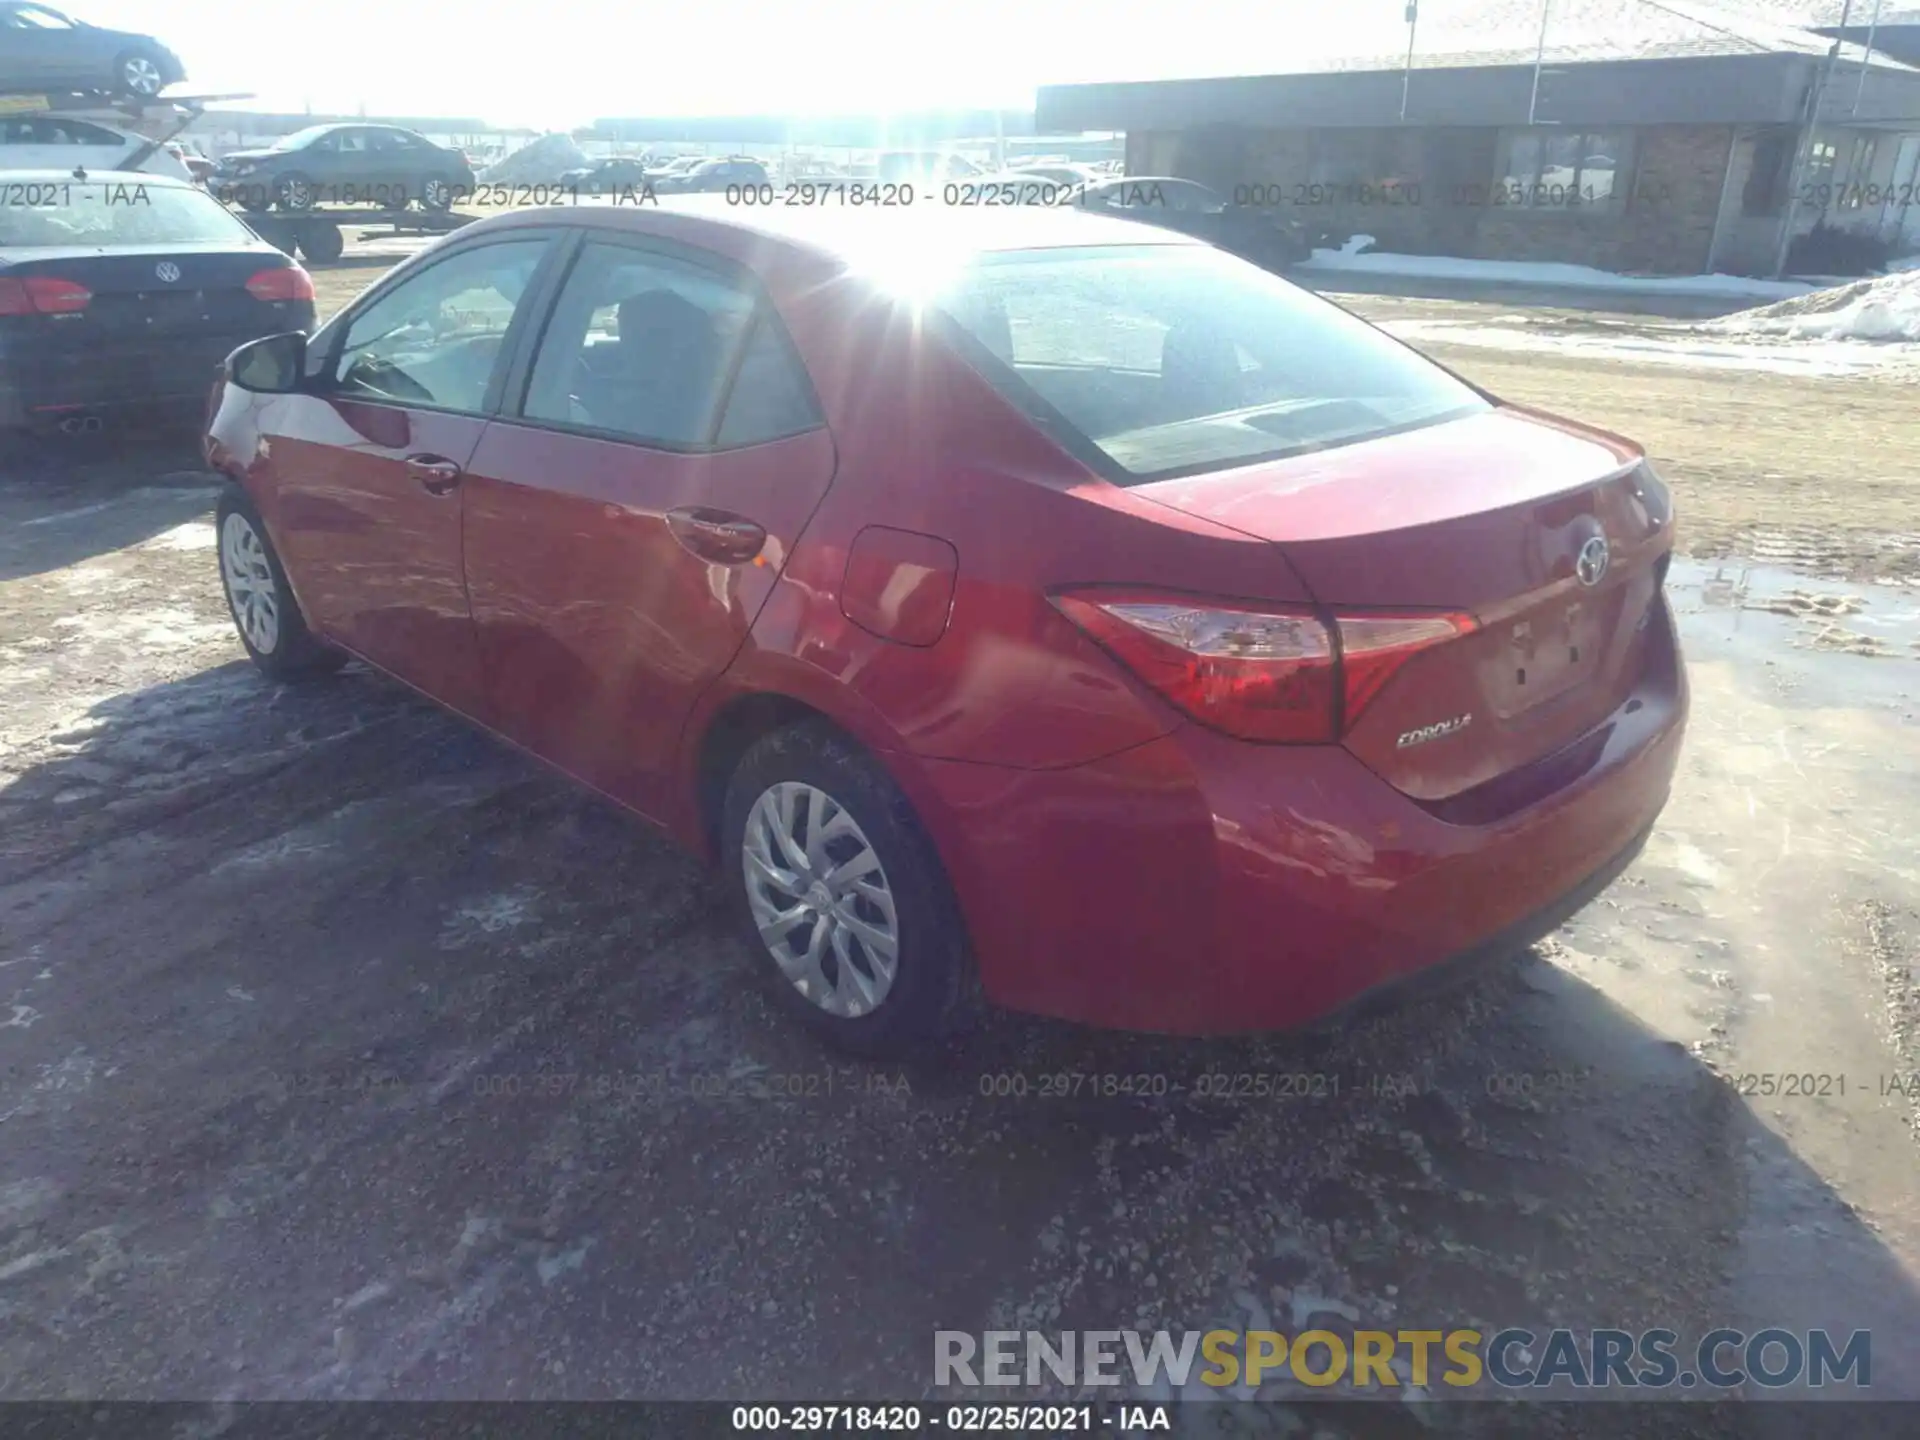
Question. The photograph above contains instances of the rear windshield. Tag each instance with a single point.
(109, 214)
(1175, 359)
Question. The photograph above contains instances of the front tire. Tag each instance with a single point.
(436, 194)
(847, 908)
(268, 618)
(294, 192)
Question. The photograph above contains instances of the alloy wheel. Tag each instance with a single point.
(248, 578)
(820, 899)
(141, 75)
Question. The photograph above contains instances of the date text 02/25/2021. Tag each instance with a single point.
(997, 1419)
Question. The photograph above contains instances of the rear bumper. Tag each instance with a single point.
(42, 384)
(1198, 885)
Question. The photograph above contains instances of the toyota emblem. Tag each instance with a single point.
(1592, 562)
(167, 271)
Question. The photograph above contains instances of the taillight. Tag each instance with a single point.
(1271, 673)
(283, 282)
(42, 295)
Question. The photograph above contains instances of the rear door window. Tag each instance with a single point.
(640, 346)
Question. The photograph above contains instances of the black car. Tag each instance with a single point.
(344, 164)
(1192, 209)
(711, 176)
(42, 49)
(607, 175)
(128, 291)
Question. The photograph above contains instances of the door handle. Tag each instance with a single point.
(436, 474)
(716, 535)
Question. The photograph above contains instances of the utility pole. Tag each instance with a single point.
(1406, 74)
(1816, 99)
(1866, 60)
(1539, 58)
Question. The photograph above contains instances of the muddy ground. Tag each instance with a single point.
(344, 1053)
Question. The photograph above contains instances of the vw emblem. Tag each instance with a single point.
(167, 271)
(1592, 561)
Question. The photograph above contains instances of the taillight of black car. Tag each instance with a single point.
(281, 282)
(42, 295)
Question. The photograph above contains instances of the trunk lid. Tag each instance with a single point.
(1488, 515)
(131, 296)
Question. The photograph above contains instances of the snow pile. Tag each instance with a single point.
(538, 162)
(1884, 308)
(1546, 274)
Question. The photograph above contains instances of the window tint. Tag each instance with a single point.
(31, 17)
(56, 132)
(1179, 359)
(434, 338)
(1569, 170)
(639, 346)
(121, 214)
(771, 397)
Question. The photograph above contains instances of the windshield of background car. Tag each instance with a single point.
(31, 17)
(1176, 359)
(114, 214)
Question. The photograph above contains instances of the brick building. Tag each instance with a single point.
(1652, 137)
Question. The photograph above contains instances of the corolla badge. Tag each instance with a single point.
(1593, 560)
(1433, 732)
(167, 271)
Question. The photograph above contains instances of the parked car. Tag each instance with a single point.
(713, 177)
(1193, 209)
(43, 49)
(57, 142)
(617, 174)
(126, 291)
(1061, 174)
(345, 164)
(679, 165)
(1195, 657)
(199, 168)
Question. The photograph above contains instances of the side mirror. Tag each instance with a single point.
(272, 366)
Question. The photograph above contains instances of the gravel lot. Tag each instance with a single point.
(344, 1053)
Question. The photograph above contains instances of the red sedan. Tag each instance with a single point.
(1016, 602)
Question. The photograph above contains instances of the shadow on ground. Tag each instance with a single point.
(347, 1054)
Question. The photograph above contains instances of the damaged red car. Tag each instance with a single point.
(1014, 604)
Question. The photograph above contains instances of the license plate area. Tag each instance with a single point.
(1552, 650)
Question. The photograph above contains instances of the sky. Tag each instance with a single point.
(558, 64)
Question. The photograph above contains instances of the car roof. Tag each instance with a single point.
(854, 234)
(43, 175)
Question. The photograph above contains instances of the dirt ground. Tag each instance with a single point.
(345, 1054)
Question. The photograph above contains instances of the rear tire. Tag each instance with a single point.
(267, 617)
(827, 967)
(138, 72)
(322, 244)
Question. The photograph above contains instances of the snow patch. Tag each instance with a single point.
(194, 535)
(1884, 308)
(488, 916)
(1684, 347)
(1548, 274)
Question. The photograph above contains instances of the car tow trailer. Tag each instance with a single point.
(318, 235)
(158, 119)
